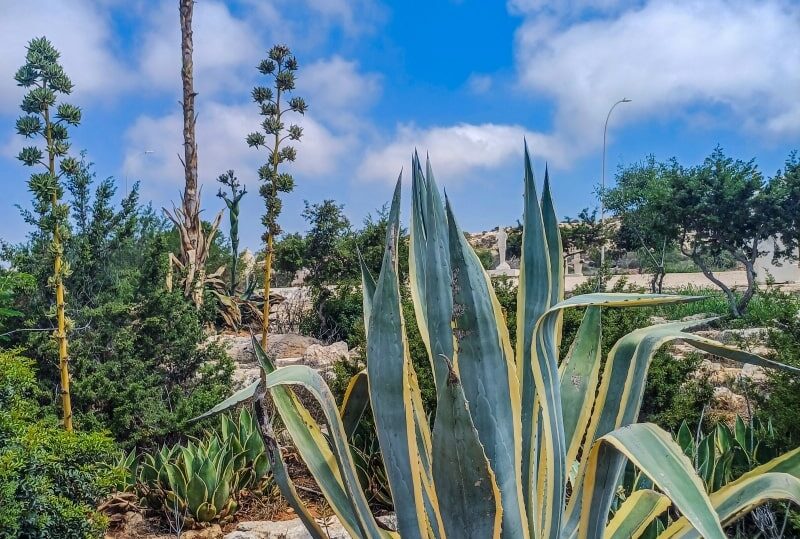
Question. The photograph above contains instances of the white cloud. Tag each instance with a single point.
(479, 84)
(79, 29)
(221, 132)
(336, 91)
(457, 151)
(226, 49)
(668, 58)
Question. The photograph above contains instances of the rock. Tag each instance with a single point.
(245, 375)
(727, 405)
(280, 345)
(754, 373)
(211, 532)
(321, 356)
(294, 529)
(655, 320)
(698, 316)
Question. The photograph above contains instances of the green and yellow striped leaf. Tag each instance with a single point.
(313, 447)
(390, 385)
(485, 364)
(313, 382)
(355, 402)
(636, 513)
(533, 299)
(465, 484)
(580, 373)
(654, 452)
(775, 480)
(430, 258)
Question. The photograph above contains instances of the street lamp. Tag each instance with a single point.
(603, 179)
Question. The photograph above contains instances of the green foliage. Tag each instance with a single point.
(50, 480)
(144, 369)
(781, 397)
(725, 454)
(326, 254)
(137, 356)
(674, 393)
(719, 209)
(201, 480)
(584, 234)
(289, 257)
(12, 283)
(486, 258)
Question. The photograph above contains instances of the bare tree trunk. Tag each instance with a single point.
(751, 286)
(191, 200)
(195, 245)
(735, 311)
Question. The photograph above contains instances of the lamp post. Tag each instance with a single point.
(603, 180)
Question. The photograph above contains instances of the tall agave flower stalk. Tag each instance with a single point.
(233, 202)
(525, 443)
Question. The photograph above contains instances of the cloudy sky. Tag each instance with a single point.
(465, 80)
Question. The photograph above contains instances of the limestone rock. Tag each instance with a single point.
(280, 345)
(321, 356)
(294, 529)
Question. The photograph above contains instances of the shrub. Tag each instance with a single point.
(50, 480)
(145, 369)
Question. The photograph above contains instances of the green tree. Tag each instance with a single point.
(326, 243)
(289, 254)
(280, 65)
(46, 119)
(718, 207)
(640, 199)
(237, 192)
(783, 191)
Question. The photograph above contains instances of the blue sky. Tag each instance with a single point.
(465, 80)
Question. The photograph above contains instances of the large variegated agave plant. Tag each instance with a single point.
(525, 444)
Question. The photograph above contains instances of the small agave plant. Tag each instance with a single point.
(203, 479)
(525, 443)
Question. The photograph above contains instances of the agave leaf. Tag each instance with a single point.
(770, 481)
(417, 242)
(223, 491)
(580, 372)
(196, 493)
(554, 245)
(313, 447)
(686, 440)
(286, 485)
(485, 364)
(355, 402)
(431, 291)
(533, 299)
(367, 292)
(390, 377)
(313, 382)
(465, 484)
(655, 453)
(620, 393)
(636, 513)
(237, 398)
(205, 512)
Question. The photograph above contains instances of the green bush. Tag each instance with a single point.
(144, 370)
(50, 480)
